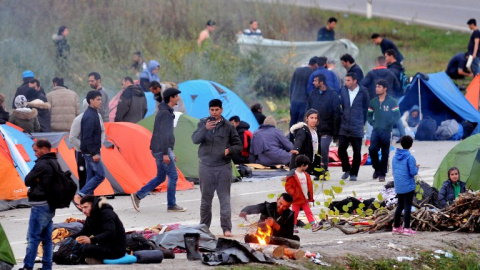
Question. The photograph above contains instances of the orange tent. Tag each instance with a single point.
(473, 91)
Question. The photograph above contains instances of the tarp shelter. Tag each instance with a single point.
(466, 157)
(473, 91)
(296, 53)
(439, 99)
(197, 94)
(185, 149)
(7, 259)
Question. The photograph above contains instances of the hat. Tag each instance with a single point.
(20, 101)
(270, 121)
(211, 22)
(170, 92)
(27, 74)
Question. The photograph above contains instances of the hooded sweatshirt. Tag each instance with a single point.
(146, 77)
(132, 105)
(404, 170)
(25, 118)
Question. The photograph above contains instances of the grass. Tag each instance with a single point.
(104, 35)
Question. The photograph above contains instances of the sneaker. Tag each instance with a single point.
(176, 208)
(408, 232)
(316, 227)
(135, 201)
(398, 230)
(375, 175)
(353, 178)
(301, 224)
(345, 175)
(381, 178)
(367, 142)
(90, 260)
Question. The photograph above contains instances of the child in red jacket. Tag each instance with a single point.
(299, 185)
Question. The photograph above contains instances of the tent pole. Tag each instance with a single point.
(419, 100)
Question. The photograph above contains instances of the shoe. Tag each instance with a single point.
(353, 178)
(408, 232)
(135, 201)
(295, 229)
(301, 224)
(375, 175)
(316, 178)
(176, 208)
(381, 178)
(316, 227)
(91, 260)
(367, 142)
(398, 230)
(345, 175)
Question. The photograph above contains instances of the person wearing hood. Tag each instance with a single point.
(103, 234)
(149, 75)
(245, 137)
(306, 140)
(404, 167)
(39, 101)
(451, 188)
(24, 117)
(4, 115)
(132, 105)
(269, 146)
(410, 120)
(60, 40)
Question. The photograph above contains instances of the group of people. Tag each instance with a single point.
(466, 64)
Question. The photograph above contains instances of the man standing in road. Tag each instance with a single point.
(95, 82)
(218, 140)
(161, 145)
(39, 179)
(354, 101)
(383, 113)
(327, 33)
(473, 46)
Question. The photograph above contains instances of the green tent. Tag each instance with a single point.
(466, 157)
(7, 260)
(185, 150)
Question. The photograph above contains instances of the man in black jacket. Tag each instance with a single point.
(132, 105)
(39, 179)
(161, 145)
(349, 64)
(103, 234)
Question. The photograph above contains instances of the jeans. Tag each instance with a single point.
(325, 142)
(380, 140)
(404, 203)
(400, 127)
(343, 142)
(297, 112)
(163, 170)
(95, 175)
(40, 230)
(475, 66)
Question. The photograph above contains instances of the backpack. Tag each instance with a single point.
(426, 130)
(62, 189)
(404, 82)
(67, 251)
(136, 241)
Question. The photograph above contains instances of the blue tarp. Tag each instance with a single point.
(440, 100)
(196, 95)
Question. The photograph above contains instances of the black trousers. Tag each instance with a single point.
(81, 169)
(101, 252)
(343, 143)
(405, 201)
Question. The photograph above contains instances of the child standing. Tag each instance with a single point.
(299, 185)
(404, 168)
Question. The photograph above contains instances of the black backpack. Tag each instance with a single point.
(426, 130)
(62, 189)
(136, 241)
(67, 251)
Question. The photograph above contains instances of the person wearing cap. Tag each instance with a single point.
(162, 143)
(132, 105)
(27, 75)
(205, 34)
(218, 140)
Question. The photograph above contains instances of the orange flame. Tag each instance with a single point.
(263, 236)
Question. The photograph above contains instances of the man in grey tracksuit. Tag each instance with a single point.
(218, 140)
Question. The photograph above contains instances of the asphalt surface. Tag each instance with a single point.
(154, 209)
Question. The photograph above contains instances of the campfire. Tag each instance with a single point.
(263, 234)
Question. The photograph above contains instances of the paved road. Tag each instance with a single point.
(441, 13)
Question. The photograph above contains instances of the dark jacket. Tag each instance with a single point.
(327, 104)
(446, 196)
(355, 68)
(267, 210)
(90, 132)
(25, 118)
(105, 108)
(44, 172)
(325, 35)
(331, 79)
(397, 69)
(214, 142)
(4, 115)
(163, 137)
(298, 85)
(245, 137)
(381, 72)
(355, 116)
(43, 108)
(382, 116)
(302, 143)
(63, 49)
(105, 227)
(132, 105)
(269, 146)
(23, 90)
(388, 44)
(259, 116)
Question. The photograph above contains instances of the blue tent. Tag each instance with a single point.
(197, 93)
(151, 104)
(439, 99)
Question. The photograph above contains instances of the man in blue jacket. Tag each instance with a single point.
(330, 77)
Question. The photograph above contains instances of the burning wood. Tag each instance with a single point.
(263, 234)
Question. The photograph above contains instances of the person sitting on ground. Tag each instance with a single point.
(299, 185)
(451, 188)
(149, 75)
(410, 120)
(277, 215)
(253, 30)
(245, 136)
(306, 140)
(457, 67)
(4, 115)
(103, 234)
(257, 112)
(24, 117)
(269, 146)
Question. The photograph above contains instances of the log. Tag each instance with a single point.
(294, 254)
(276, 252)
(281, 241)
